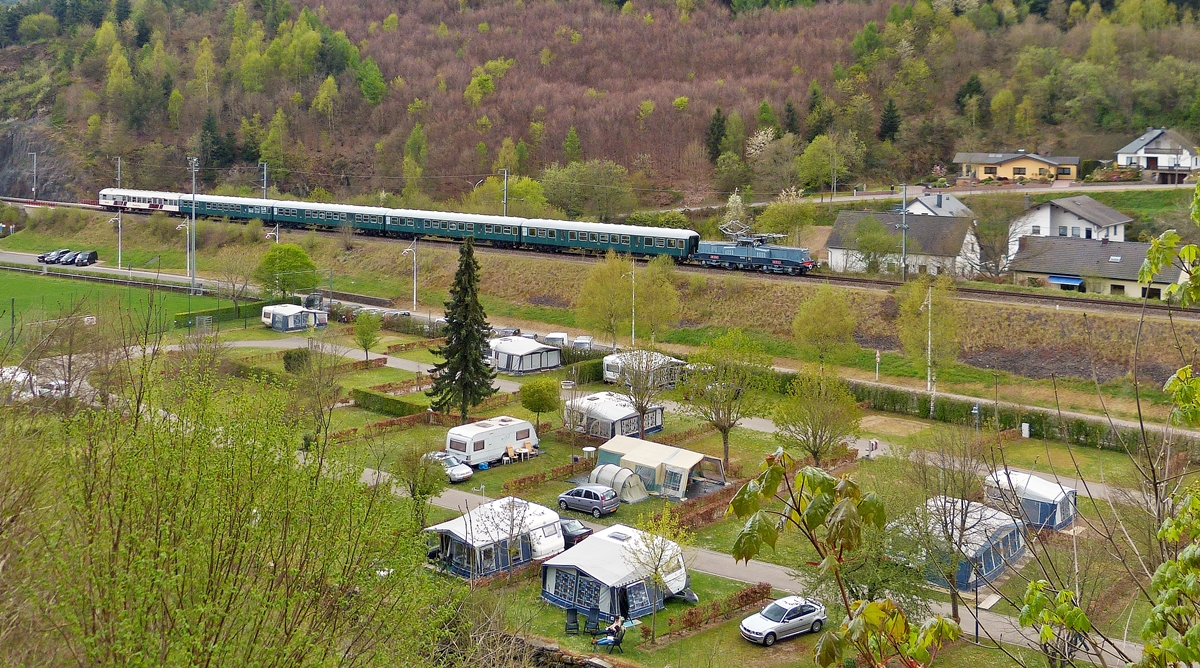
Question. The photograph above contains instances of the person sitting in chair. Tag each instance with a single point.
(611, 632)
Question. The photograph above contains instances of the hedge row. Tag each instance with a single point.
(524, 483)
(587, 371)
(386, 404)
(718, 610)
(681, 437)
(244, 370)
(243, 310)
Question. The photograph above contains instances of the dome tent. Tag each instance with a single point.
(625, 483)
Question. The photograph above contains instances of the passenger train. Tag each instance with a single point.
(500, 231)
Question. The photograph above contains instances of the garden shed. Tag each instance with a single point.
(991, 539)
(1043, 504)
(496, 535)
(518, 355)
(598, 573)
(664, 469)
(628, 485)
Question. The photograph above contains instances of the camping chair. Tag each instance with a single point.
(616, 644)
(572, 621)
(592, 625)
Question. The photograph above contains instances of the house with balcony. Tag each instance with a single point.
(1163, 155)
(1012, 167)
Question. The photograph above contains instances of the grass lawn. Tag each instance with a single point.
(720, 645)
(37, 297)
(420, 355)
(371, 377)
(350, 417)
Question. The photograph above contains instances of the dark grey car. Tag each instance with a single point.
(595, 499)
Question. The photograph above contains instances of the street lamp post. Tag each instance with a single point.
(903, 227)
(632, 306)
(264, 166)
(193, 167)
(35, 183)
(273, 234)
(412, 248)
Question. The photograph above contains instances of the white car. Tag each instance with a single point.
(456, 470)
(786, 617)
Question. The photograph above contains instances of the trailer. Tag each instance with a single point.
(492, 440)
(664, 370)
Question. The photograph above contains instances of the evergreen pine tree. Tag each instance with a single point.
(210, 137)
(766, 117)
(463, 379)
(791, 119)
(714, 135)
(972, 88)
(889, 121)
(572, 147)
(121, 11)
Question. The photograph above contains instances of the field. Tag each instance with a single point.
(38, 297)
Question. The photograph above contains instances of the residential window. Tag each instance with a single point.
(1064, 171)
(1037, 230)
(1041, 171)
(1114, 289)
(1018, 171)
(989, 171)
(1075, 231)
(1062, 230)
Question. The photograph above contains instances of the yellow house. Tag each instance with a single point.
(1015, 166)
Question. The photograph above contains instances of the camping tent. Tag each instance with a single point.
(1043, 504)
(662, 368)
(479, 543)
(608, 414)
(991, 539)
(629, 487)
(663, 468)
(516, 355)
(600, 573)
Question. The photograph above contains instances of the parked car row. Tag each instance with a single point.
(68, 256)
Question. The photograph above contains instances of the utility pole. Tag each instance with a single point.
(633, 307)
(413, 249)
(904, 233)
(264, 166)
(929, 349)
(118, 215)
(505, 190)
(193, 167)
(35, 184)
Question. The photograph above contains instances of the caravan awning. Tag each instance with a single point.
(1065, 280)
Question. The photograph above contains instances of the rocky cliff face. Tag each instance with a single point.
(56, 177)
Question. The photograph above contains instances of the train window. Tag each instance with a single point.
(572, 236)
(595, 237)
(670, 243)
(409, 222)
(603, 238)
(552, 234)
(649, 241)
(487, 229)
(660, 242)
(625, 239)
(453, 226)
(542, 233)
(507, 230)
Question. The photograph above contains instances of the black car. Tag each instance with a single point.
(573, 531)
(85, 258)
(52, 256)
(69, 258)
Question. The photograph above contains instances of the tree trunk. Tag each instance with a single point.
(642, 426)
(725, 445)
(953, 599)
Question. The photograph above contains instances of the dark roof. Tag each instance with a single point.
(1155, 134)
(1071, 256)
(1001, 158)
(1090, 210)
(932, 235)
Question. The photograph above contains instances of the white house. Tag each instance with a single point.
(939, 205)
(1163, 155)
(935, 244)
(1079, 217)
(1089, 265)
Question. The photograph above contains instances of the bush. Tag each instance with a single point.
(381, 403)
(588, 371)
(297, 360)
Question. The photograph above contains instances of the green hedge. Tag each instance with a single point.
(243, 310)
(588, 371)
(386, 404)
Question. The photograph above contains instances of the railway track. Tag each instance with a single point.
(1089, 304)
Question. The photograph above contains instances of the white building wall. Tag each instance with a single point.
(963, 265)
(1049, 221)
(1186, 159)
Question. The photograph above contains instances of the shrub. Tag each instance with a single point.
(297, 360)
(588, 371)
(382, 403)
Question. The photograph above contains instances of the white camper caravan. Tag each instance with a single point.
(558, 339)
(662, 368)
(491, 440)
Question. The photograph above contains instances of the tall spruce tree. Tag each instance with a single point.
(714, 135)
(463, 379)
(791, 119)
(889, 121)
(972, 88)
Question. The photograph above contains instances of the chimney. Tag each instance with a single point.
(1104, 241)
(939, 200)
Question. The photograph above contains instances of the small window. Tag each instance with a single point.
(1062, 230)
(1037, 230)
(1075, 231)
(1041, 171)
(550, 530)
(478, 446)
(625, 239)
(542, 233)
(409, 222)
(660, 242)
(989, 171)
(460, 446)
(1018, 171)
(523, 434)
(670, 243)
(595, 238)
(453, 226)
(507, 230)
(572, 236)
(1114, 258)
(1064, 171)
(487, 229)
(1087, 233)
(551, 233)
(649, 241)
(603, 238)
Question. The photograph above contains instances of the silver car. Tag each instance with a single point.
(456, 470)
(595, 499)
(786, 617)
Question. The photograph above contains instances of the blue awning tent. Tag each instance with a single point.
(1043, 504)
(989, 540)
(1065, 280)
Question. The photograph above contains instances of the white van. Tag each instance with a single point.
(582, 343)
(556, 339)
(489, 440)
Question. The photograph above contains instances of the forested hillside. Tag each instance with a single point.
(426, 97)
